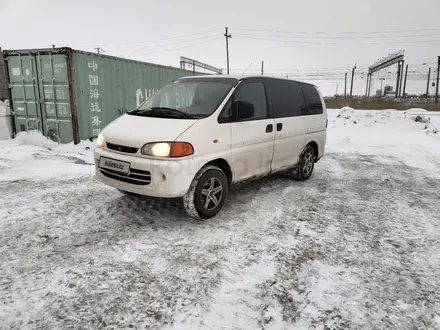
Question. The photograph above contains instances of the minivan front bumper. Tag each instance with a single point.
(149, 177)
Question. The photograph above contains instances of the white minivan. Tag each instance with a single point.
(199, 135)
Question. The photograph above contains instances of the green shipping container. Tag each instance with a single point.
(70, 95)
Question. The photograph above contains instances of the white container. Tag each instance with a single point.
(6, 123)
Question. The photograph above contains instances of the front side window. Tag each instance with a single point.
(252, 92)
(190, 98)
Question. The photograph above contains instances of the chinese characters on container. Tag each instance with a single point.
(95, 107)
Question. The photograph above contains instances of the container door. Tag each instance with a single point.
(23, 79)
(55, 96)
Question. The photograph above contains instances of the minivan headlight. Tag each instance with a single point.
(167, 149)
(101, 140)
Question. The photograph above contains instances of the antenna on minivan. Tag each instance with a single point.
(245, 71)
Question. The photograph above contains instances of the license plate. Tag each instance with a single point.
(114, 165)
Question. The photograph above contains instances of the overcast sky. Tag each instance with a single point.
(314, 36)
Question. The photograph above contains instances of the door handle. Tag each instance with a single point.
(279, 126)
(269, 128)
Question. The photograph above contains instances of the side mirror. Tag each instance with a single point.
(244, 110)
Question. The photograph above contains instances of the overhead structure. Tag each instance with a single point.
(185, 60)
(385, 62)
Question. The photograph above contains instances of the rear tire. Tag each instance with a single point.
(303, 171)
(207, 193)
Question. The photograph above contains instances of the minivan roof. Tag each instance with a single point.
(238, 78)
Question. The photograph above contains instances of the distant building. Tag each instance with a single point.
(388, 92)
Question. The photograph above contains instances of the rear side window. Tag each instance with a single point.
(314, 104)
(287, 98)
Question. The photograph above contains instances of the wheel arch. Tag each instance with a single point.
(315, 147)
(224, 166)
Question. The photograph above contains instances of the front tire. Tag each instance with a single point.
(207, 193)
(303, 171)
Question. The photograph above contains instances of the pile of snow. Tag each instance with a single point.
(346, 112)
(32, 156)
(415, 111)
(421, 119)
(4, 104)
(35, 138)
(6, 124)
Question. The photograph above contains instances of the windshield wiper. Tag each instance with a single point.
(171, 110)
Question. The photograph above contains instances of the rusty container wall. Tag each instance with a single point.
(105, 87)
(3, 81)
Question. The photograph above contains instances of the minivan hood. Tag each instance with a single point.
(135, 131)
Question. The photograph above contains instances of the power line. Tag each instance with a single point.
(340, 32)
(334, 43)
(401, 42)
(181, 47)
(291, 41)
(154, 40)
(175, 43)
(340, 37)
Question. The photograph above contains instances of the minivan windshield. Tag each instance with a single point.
(186, 99)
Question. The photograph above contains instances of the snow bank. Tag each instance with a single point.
(415, 111)
(346, 112)
(389, 133)
(6, 125)
(32, 156)
(35, 138)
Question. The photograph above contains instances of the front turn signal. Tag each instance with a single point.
(181, 149)
(167, 149)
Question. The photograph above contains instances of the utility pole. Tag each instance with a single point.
(438, 78)
(337, 85)
(381, 85)
(98, 50)
(262, 67)
(398, 79)
(345, 88)
(369, 84)
(404, 83)
(227, 36)
(401, 78)
(352, 78)
(366, 87)
(427, 85)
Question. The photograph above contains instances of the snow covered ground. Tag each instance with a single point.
(355, 247)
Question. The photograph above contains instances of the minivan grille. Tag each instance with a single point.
(117, 147)
(137, 177)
